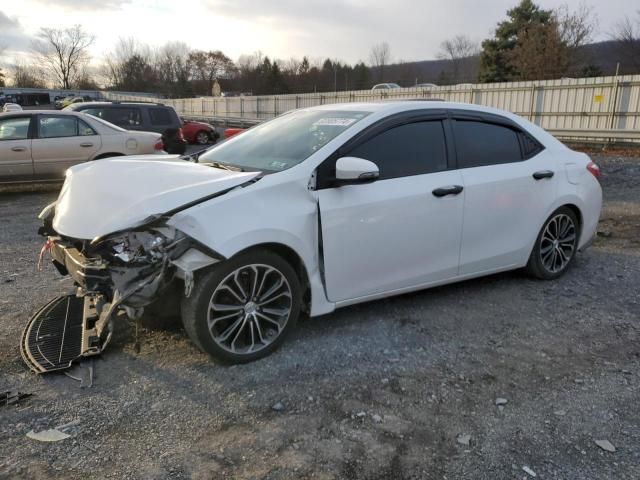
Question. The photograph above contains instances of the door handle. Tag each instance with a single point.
(19, 149)
(543, 174)
(86, 144)
(450, 190)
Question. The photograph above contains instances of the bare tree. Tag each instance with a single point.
(117, 62)
(27, 76)
(380, 57)
(458, 50)
(576, 27)
(63, 52)
(206, 67)
(627, 33)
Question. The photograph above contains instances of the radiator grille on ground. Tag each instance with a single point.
(52, 339)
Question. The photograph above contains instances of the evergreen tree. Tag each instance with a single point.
(495, 58)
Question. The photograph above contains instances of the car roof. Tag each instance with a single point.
(116, 103)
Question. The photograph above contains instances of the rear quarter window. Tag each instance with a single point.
(160, 116)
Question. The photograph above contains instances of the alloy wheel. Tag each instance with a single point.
(558, 243)
(202, 138)
(249, 309)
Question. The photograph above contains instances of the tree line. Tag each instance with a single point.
(531, 43)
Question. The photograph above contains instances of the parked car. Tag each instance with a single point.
(42, 144)
(319, 209)
(11, 107)
(148, 117)
(199, 132)
(385, 86)
(426, 85)
(63, 102)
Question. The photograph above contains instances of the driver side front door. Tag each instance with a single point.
(400, 231)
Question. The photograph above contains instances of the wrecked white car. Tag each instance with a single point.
(317, 209)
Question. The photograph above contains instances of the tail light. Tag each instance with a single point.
(159, 145)
(180, 135)
(594, 169)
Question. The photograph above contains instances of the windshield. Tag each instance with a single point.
(285, 141)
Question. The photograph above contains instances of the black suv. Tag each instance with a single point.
(147, 117)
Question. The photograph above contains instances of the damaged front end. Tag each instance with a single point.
(122, 272)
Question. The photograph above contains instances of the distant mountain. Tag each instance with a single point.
(594, 59)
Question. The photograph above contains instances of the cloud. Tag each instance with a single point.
(91, 5)
(12, 36)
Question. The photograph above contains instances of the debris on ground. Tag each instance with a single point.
(82, 374)
(12, 398)
(606, 445)
(56, 434)
(501, 402)
(464, 439)
(529, 472)
(376, 418)
(278, 407)
(560, 413)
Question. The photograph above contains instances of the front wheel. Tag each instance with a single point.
(243, 308)
(555, 246)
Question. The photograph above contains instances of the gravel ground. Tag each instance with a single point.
(387, 390)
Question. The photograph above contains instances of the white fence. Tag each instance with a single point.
(580, 108)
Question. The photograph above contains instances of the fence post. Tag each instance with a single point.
(275, 106)
(297, 101)
(532, 103)
(258, 107)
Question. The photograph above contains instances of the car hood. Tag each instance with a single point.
(105, 196)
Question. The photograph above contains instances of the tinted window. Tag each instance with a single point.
(56, 127)
(411, 149)
(96, 112)
(479, 143)
(160, 116)
(124, 116)
(530, 147)
(14, 128)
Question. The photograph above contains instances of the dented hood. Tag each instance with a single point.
(105, 196)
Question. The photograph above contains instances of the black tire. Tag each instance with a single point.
(199, 137)
(539, 261)
(195, 308)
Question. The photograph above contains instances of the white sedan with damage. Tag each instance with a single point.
(39, 145)
(315, 210)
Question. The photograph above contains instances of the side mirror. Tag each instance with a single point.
(355, 170)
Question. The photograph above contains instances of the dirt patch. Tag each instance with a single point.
(375, 391)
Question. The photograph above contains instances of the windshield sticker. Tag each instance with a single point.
(335, 122)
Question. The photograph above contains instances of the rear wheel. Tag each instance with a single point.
(243, 308)
(555, 246)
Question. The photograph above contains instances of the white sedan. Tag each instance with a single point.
(318, 209)
(38, 145)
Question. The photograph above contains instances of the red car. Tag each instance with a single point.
(199, 132)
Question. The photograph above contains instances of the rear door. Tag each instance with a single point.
(394, 233)
(505, 203)
(60, 142)
(15, 148)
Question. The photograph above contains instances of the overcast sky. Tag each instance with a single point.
(342, 29)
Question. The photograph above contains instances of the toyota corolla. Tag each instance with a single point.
(315, 210)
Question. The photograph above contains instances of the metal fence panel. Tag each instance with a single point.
(589, 104)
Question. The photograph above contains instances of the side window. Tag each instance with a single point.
(124, 117)
(14, 128)
(411, 149)
(479, 144)
(84, 129)
(160, 116)
(57, 127)
(96, 112)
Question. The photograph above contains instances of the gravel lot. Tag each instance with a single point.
(386, 390)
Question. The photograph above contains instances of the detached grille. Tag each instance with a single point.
(52, 339)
